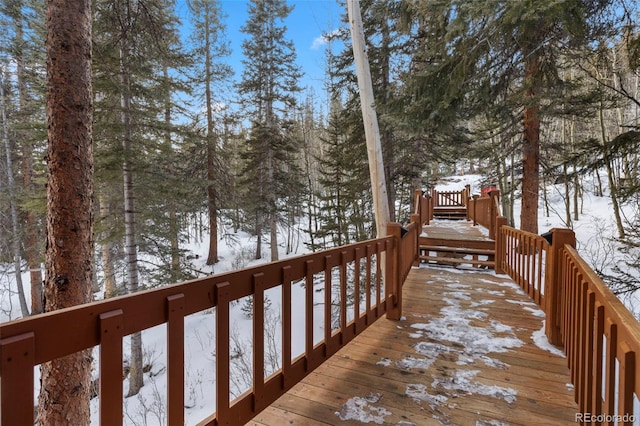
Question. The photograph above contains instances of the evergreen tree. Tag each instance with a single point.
(136, 44)
(268, 88)
(211, 74)
(474, 53)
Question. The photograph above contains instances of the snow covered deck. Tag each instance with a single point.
(470, 351)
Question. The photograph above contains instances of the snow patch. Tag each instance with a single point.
(540, 339)
(462, 382)
(360, 409)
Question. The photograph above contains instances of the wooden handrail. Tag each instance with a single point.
(602, 342)
(31, 341)
(599, 335)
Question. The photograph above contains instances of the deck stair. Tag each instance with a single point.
(449, 242)
(450, 213)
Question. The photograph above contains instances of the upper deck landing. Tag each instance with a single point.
(466, 354)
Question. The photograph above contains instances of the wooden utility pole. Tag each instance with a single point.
(372, 133)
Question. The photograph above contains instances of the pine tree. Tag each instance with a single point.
(457, 77)
(268, 88)
(211, 74)
(136, 44)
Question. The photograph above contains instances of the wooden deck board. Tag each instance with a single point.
(422, 371)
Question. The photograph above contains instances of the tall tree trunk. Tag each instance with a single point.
(65, 382)
(32, 250)
(613, 188)
(136, 380)
(530, 149)
(15, 225)
(212, 257)
(106, 249)
(372, 132)
(174, 228)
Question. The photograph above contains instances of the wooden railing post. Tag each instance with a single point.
(415, 218)
(393, 287)
(493, 212)
(417, 196)
(554, 290)
(466, 194)
(474, 210)
(500, 246)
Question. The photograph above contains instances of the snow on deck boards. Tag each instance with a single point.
(458, 229)
(466, 354)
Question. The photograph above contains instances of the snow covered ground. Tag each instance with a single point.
(148, 408)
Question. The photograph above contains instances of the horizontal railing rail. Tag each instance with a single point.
(357, 271)
(599, 335)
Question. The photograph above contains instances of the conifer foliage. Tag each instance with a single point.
(268, 92)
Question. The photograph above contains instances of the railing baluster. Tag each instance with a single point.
(258, 341)
(356, 290)
(378, 279)
(223, 412)
(111, 330)
(587, 387)
(627, 382)
(343, 297)
(175, 359)
(369, 312)
(17, 358)
(309, 365)
(611, 332)
(598, 349)
(286, 325)
(327, 305)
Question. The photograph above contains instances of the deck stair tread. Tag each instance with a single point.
(461, 250)
(457, 261)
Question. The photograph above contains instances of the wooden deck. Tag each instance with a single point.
(464, 355)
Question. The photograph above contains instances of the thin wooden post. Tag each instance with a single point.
(392, 277)
(493, 212)
(500, 246)
(554, 285)
(475, 209)
(466, 194)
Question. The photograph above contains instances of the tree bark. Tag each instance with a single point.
(65, 382)
(530, 150)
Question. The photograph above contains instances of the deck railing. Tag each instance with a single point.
(357, 270)
(485, 211)
(599, 335)
(450, 198)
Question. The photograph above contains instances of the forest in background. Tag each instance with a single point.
(527, 93)
(184, 147)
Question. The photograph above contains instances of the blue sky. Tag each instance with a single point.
(305, 26)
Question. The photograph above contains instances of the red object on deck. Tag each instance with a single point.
(484, 191)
